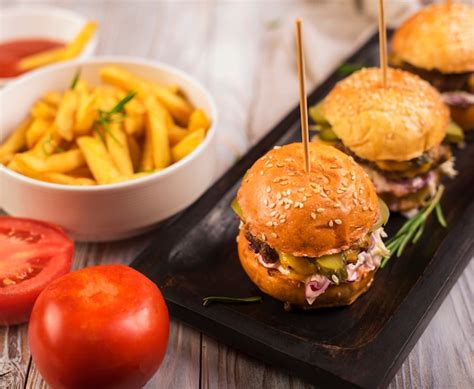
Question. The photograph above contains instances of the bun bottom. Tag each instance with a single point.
(464, 117)
(288, 290)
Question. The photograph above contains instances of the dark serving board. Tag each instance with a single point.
(358, 346)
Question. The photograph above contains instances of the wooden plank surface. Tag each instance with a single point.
(242, 51)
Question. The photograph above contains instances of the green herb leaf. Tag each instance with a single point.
(115, 115)
(231, 300)
(413, 229)
(440, 215)
(76, 78)
(348, 68)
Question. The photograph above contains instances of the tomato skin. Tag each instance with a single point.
(16, 301)
(100, 327)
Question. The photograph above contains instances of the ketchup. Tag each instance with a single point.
(12, 51)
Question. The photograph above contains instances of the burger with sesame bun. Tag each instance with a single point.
(437, 43)
(395, 133)
(310, 239)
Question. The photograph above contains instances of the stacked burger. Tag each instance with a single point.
(310, 239)
(395, 133)
(437, 44)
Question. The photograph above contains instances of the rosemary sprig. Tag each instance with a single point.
(115, 115)
(348, 68)
(232, 300)
(413, 228)
(76, 78)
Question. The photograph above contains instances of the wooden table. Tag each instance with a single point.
(242, 51)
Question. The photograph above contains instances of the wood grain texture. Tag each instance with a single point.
(239, 52)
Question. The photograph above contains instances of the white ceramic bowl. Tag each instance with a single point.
(105, 212)
(37, 21)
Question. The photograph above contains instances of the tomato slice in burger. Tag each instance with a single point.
(32, 254)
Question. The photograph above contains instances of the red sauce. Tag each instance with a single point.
(12, 51)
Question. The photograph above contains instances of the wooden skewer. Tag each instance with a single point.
(303, 101)
(383, 42)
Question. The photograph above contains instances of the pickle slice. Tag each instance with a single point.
(317, 115)
(384, 215)
(454, 133)
(328, 135)
(236, 208)
(330, 265)
(298, 264)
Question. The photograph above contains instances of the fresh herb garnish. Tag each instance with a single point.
(232, 300)
(76, 78)
(115, 115)
(53, 148)
(348, 68)
(413, 228)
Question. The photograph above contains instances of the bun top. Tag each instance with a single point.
(310, 214)
(438, 37)
(397, 123)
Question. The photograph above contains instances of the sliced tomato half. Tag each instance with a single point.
(32, 254)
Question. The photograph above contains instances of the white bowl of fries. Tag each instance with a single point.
(41, 21)
(106, 147)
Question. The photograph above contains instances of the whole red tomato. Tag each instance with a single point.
(100, 327)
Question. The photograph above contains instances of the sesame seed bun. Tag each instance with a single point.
(286, 289)
(463, 116)
(326, 211)
(397, 123)
(438, 37)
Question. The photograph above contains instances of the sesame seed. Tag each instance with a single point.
(269, 189)
(335, 279)
(272, 205)
(278, 196)
(261, 172)
(274, 235)
(270, 157)
(265, 202)
(322, 194)
(287, 206)
(284, 183)
(313, 215)
(300, 190)
(264, 238)
(276, 180)
(273, 213)
(291, 173)
(338, 221)
(269, 224)
(331, 223)
(282, 220)
(320, 210)
(270, 165)
(340, 191)
(276, 147)
(356, 202)
(337, 205)
(280, 165)
(304, 198)
(325, 180)
(299, 205)
(365, 208)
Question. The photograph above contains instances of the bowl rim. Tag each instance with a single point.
(124, 59)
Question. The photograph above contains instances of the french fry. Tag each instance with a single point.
(176, 134)
(134, 123)
(198, 120)
(85, 114)
(122, 78)
(82, 171)
(36, 130)
(64, 121)
(117, 145)
(147, 163)
(42, 110)
(48, 144)
(98, 159)
(135, 152)
(15, 142)
(188, 144)
(57, 178)
(156, 122)
(56, 163)
(73, 49)
(178, 107)
(52, 98)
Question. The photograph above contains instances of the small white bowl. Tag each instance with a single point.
(106, 212)
(37, 21)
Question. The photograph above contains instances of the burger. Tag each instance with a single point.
(395, 133)
(437, 44)
(310, 239)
